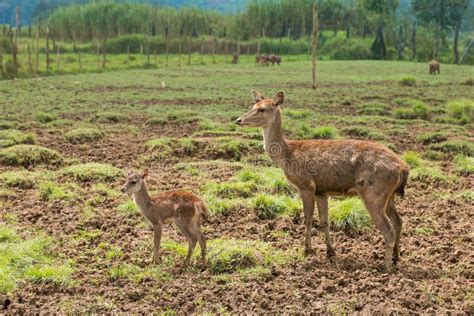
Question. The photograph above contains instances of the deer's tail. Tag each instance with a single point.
(403, 182)
(202, 208)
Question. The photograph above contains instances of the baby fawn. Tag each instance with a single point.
(184, 209)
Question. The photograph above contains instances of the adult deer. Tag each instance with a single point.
(319, 168)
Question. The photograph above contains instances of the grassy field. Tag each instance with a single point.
(71, 242)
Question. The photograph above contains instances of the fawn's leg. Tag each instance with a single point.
(196, 231)
(191, 243)
(397, 222)
(377, 204)
(157, 241)
(308, 206)
(322, 203)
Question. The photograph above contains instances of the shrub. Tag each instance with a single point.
(349, 215)
(44, 117)
(92, 172)
(83, 135)
(10, 137)
(29, 155)
(429, 138)
(464, 165)
(461, 110)
(455, 147)
(408, 82)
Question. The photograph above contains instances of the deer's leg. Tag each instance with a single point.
(196, 231)
(377, 204)
(308, 206)
(322, 203)
(191, 243)
(157, 241)
(397, 222)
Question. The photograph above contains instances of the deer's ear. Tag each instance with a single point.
(257, 96)
(145, 173)
(129, 172)
(279, 98)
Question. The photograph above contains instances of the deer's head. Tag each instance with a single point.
(264, 112)
(134, 182)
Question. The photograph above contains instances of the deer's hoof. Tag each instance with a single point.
(330, 253)
(309, 252)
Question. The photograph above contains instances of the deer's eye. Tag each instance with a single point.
(133, 182)
(261, 110)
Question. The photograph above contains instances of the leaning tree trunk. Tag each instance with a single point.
(466, 51)
(413, 41)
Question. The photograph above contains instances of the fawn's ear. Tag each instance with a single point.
(145, 173)
(279, 98)
(129, 172)
(257, 96)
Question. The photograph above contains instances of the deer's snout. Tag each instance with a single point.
(123, 189)
(238, 121)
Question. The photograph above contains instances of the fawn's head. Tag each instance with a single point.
(264, 112)
(134, 182)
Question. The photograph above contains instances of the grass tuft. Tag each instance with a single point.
(413, 109)
(50, 191)
(83, 135)
(29, 155)
(92, 172)
(129, 207)
(432, 137)
(349, 215)
(464, 165)
(374, 108)
(407, 82)
(44, 117)
(461, 110)
(22, 179)
(10, 137)
(454, 147)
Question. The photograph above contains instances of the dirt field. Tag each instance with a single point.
(94, 233)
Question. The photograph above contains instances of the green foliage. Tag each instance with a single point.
(110, 117)
(83, 135)
(90, 172)
(364, 132)
(349, 215)
(129, 207)
(323, 132)
(455, 147)
(10, 137)
(412, 159)
(268, 206)
(422, 170)
(408, 82)
(29, 155)
(50, 191)
(464, 165)
(461, 110)
(228, 190)
(28, 259)
(44, 117)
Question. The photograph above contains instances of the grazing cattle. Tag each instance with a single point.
(434, 67)
(235, 58)
(275, 59)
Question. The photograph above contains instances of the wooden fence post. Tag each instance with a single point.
(314, 43)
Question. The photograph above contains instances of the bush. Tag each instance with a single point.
(461, 110)
(10, 137)
(349, 215)
(455, 147)
(408, 82)
(43, 117)
(29, 155)
(83, 135)
(92, 172)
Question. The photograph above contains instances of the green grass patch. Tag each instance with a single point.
(92, 172)
(407, 82)
(83, 135)
(50, 191)
(23, 179)
(268, 206)
(44, 117)
(128, 208)
(413, 109)
(10, 137)
(374, 108)
(29, 155)
(461, 110)
(464, 165)
(365, 132)
(432, 137)
(304, 131)
(298, 114)
(349, 215)
(110, 117)
(413, 159)
(23, 259)
(454, 147)
(422, 170)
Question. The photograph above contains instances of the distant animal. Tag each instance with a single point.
(235, 58)
(184, 209)
(261, 60)
(434, 67)
(320, 168)
(275, 59)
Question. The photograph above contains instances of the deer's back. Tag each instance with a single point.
(338, 165)
(177, 203)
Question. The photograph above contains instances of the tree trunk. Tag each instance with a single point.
(167, 50)
(104, 52)
(202, 51)
(400, 43)
(58, 56)
(30, 63)
(314, 44)
(466, 51)
(47, 49)
(37, 53)
(190, 49)
(413, 41)
(456, 41)
(1, 61)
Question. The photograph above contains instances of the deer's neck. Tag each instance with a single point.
(274, 141)
(142, 199)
